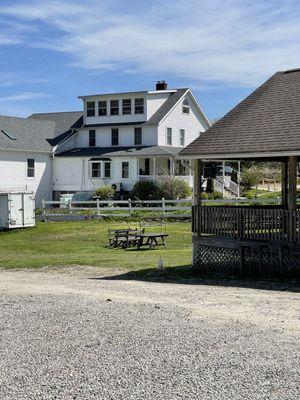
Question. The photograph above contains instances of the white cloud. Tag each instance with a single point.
(237, 42)
(24, 96)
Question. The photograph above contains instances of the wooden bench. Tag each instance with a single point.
(123, 238)
(152, 240)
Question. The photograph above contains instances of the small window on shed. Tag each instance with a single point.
(185, 107)
(30, 168)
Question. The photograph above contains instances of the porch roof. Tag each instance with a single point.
(129, 151)
(265, 124)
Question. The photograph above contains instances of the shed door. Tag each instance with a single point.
(29, 205)
(16, 209)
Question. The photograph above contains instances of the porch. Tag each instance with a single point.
(150, 169)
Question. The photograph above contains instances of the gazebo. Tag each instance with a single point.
(252, 239)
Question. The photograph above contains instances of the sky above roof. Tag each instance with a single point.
(52, 51)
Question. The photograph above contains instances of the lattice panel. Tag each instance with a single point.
(257, 261)
(216, 259)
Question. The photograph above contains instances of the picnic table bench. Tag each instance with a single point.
(151, 239)
(123, 237)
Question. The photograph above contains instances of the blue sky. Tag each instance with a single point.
(52, 51)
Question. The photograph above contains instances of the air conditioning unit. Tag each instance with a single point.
(116, 186)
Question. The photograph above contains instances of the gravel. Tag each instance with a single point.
(66, 336)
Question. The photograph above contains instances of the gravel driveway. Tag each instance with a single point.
(67, 336)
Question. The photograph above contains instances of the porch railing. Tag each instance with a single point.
(247, 222)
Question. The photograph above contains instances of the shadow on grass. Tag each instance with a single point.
(187, 275)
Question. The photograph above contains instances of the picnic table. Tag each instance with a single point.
(151, 239)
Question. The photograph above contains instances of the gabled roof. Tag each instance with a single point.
(25, 134)
(128, 151)
(266, 122)
(65, 124)
(167, 106)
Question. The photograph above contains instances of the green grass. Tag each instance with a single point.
(84, 243)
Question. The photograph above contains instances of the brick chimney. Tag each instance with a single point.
(161, 85)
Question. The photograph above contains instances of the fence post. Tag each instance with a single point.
(43, 209)
(163, 203)
(98, 207)
(129, 205)
(69, 206)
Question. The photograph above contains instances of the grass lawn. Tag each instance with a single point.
(84, 243)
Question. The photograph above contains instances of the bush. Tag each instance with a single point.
(145, 190)
(173, 188)
(105, 193)
(250, 178)
(204, 196)
(216, 195)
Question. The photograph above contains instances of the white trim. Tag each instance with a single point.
(28, 151)
(167, 144)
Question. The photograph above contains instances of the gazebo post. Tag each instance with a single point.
(197, 183)
(284, 183)
(292, 195)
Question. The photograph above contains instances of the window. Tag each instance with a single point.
(181, 137)
(139, 106)
(30, 168)
(185, 106)
(107, 169)
(92, 138)
(114, 107)
(126, 106)
(90, 109)
(125, 170)
(102, 108)
(96, 169)
(137, 136)
(169, 136)
(100, 169)
(115, 137)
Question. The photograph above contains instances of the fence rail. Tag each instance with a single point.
(247, 222)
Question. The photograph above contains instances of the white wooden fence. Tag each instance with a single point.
(56, 210)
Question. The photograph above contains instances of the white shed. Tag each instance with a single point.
(17, 209)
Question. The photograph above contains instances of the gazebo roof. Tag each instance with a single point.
(264, 124)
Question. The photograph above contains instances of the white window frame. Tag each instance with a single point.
(167, 136)
(93, 108)
(111, 137)
(186, 108)
(137, 106)
(124, 179)
(181, 137)
(114, 107)
(31, 168)
(102, 108)
(102, 169)
(129, 107)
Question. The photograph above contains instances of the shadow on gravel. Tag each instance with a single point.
(186, 275)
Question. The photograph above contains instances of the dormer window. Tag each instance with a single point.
(90, 108)
(102, 108)
(139, 106)
(185, 107)
(114, 107)
(126, 106)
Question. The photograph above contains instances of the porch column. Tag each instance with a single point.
(197, 182)
(223, 178)
(154, 167)
(284, 183)
(190, 173)
(239, 178)
(292, 196)
(172, 166)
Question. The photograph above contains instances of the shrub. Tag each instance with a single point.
(210, 185)
(173, 188)
(216, 195)
(204, 196)
(105, 193)
(145, 190)
(250, 178)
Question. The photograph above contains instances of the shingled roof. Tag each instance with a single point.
(25, 134)
(65, 124)
(266, 122)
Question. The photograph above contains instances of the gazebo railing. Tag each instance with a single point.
(247, 222)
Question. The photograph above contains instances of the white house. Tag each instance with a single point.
(25, 156)
(117, 139)
(121, 138)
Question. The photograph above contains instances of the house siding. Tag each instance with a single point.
(193, 123)
(13, 168)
